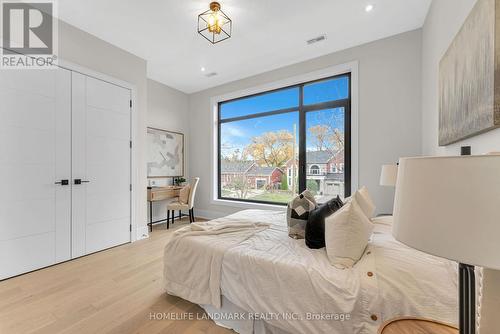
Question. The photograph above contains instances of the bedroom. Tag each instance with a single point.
(136, 114)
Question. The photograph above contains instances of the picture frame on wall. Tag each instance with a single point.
(469, 86)
(165, 153)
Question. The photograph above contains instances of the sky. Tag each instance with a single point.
(238, 134)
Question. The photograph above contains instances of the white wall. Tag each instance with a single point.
(389, 112)
(158, 106)
(168, 109)
(81, 48)
(442, 24)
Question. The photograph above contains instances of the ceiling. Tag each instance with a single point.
(267, 34)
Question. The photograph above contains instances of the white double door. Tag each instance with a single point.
(64, 167)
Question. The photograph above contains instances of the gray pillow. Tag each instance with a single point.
(298, 213)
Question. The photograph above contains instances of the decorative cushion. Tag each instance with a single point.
(365, 201)
(184, 194)
(298, 212)
(346, 234)
(315, 228)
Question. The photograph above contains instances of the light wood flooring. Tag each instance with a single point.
(114, 291)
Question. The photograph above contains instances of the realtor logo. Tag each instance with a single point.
(28, 34)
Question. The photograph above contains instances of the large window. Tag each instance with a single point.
(276, 144)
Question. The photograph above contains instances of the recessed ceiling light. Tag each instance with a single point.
(202, 69)
(369, 8)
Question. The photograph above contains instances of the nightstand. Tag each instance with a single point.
(408, 325)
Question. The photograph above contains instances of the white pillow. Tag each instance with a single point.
(347, 232)
(365, 201)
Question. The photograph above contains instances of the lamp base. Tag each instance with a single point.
(467, 298)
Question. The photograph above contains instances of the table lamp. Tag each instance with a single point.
(450, 207)
(389, 175)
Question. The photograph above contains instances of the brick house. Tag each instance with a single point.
(256, 176)
(324, 168)
(264, 177)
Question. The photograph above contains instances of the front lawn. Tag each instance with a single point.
(276, 196)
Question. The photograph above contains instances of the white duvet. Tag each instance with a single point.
(295, 289)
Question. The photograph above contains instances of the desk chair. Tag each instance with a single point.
(184, 206)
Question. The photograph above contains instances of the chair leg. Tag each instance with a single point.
(173, 216)
(168, 219)
(180, 214)
(192, 214)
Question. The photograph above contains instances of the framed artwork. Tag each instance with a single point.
(469, 74)
(165, 153)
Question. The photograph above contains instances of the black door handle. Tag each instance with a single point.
(63, 182)
(80, 181)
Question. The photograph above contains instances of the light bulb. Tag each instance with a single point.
(212, 19)
(214, 23)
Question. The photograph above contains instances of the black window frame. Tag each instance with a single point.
(302, 112)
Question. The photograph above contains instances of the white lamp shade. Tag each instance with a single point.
(450, 207)
(389, 175)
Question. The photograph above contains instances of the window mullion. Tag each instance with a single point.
(302, 141)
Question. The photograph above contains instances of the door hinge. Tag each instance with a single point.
(130, 187)
(130, 103)
(130, 144)
(130, 227)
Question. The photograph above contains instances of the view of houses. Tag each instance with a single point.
(248, 180)
(259, 156)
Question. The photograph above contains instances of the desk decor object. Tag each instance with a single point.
(165, 155)
(469, 86)
(431, 215)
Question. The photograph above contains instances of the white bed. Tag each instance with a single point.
(278, 285)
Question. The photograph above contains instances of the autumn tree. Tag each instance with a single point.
(327, 138)
(272, 149)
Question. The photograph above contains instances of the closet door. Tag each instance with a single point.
(101, 160)
(35, 154)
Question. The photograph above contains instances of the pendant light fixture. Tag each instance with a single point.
(214, 24)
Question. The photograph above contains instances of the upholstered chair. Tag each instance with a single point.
(189, 206)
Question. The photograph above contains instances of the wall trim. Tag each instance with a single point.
(352, 67)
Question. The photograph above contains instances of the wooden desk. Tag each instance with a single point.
(162, 193)
(408, 325)
(156, 194)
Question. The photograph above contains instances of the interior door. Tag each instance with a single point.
(101, 160)
(35, 154)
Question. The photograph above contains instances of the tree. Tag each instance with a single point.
(284, 182)
(320, 136)
(312, 186)
(272, 149)
(327, 138)
(231, 153)
(327, 135)
(240, 185)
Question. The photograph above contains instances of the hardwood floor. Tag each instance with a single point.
(114, 291)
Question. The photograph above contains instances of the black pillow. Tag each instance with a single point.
(315, 227)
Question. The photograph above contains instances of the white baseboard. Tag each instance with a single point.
(142, 232)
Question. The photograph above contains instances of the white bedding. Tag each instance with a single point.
(279, 278)
(193, 256)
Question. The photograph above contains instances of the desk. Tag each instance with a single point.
(156, 194)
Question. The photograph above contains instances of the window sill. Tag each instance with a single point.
(248, 205)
